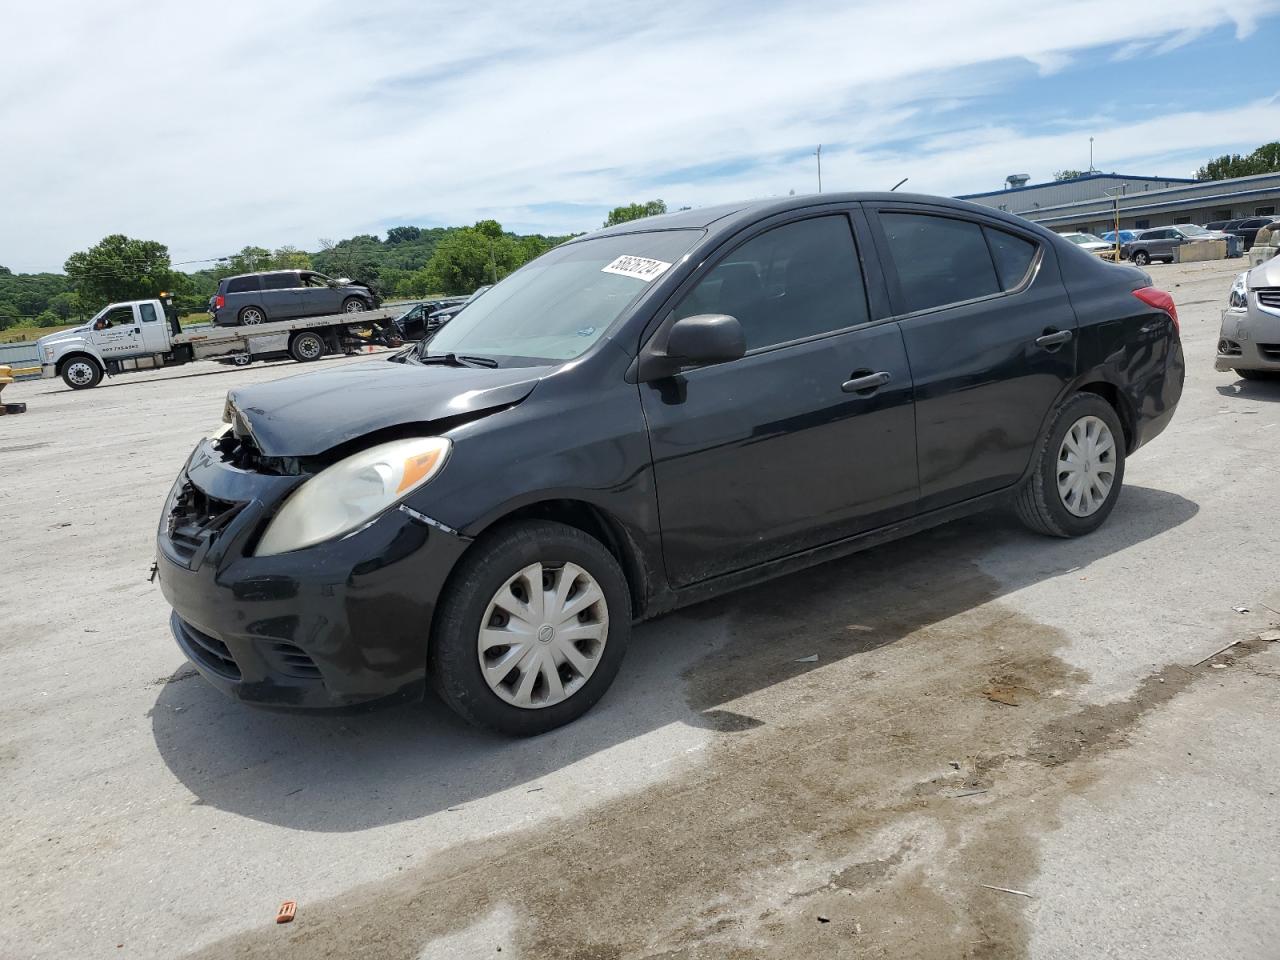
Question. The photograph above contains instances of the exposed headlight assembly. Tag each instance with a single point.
(352, 492)
(1239, 298)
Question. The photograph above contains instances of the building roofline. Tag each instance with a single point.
(1080, 179)
(1155, 197)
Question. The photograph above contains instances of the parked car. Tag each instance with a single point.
(1160, 243)
(1090, 242)
(645, 417)
(415, 323)
(443, 316)
(1247, 229)
(1249, 339)
(1125, 236)
(285, 294)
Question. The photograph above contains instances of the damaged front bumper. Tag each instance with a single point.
(339, 624)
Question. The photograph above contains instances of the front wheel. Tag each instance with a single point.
(81, 373)
(306, 346)
(531, 629)
(1141, 258)
(1079, 468)
(354, 305)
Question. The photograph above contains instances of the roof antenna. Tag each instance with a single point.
(898, 184)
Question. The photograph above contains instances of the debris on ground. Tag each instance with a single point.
(822, 919)
(288, 910)
(812, 658)
(1020, 893)
(1007, 694)
(1240, 609)
(1270, 636)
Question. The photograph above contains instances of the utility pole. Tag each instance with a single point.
(819, 154)
(1091, 154)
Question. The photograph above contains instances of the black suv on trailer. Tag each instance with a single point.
(286, 295)
(645, 417)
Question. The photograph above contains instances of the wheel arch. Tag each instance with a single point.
(1118, 402)
(596, 522)
(79, 355)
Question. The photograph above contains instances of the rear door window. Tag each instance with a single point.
(1013, 256)
(148, 312)
(280, 281)
(795, 281)
(939, 260)
(242, 285)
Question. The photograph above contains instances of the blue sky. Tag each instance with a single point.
(288, 122)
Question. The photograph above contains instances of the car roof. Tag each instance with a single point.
(729, 217)
(267, 273)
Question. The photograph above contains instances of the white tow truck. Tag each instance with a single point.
(145, 335)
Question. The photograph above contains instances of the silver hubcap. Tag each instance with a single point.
(355, 306)
(309, 347)
(543, 635)
(251, 317)
(80, 373)
(1086, 466)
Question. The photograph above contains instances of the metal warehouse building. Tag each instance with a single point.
(1086, 203)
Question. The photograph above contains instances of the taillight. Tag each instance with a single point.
(219, 302)
(1155, 297)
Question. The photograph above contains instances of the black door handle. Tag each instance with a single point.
(1054, 338)
(866, 383)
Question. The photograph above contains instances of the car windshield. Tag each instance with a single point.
(1191, 230)
(1084, 238)
(560, 304)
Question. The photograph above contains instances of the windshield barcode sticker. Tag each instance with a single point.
(642, 268)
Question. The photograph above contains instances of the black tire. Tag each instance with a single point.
(1038, 502)
(251, 316)
(307, 346)
(1140, 258)
(354, 305)
(81, 372)
(1257, 374)
(453, 661)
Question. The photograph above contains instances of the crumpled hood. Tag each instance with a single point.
(314, 412)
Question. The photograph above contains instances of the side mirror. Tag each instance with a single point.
(694, 341)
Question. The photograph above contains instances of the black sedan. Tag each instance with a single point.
(645, 417)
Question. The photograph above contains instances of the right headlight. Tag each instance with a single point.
(1239, 298)
(352, 492)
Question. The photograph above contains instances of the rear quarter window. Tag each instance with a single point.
(242, 285)
(1013, 256)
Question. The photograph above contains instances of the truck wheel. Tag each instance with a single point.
(242, 359)
(81, 373)
(354, 305)
(1140, 258)
(531, 629)
(251, 316)
(306, 346)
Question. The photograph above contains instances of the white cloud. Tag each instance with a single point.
(209, 128)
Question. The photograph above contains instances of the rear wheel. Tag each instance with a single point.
(81, 373)
(531, 630)
(1078, 472)
(1141, 258)
(306, 346)
(354, 305)
(251, 316)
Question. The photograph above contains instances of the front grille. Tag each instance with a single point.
(1270, 350)
(196, 520)
(209, 651)
(292, 661)
(1269, 297)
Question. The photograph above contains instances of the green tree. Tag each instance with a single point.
(50, 319)
(1068, 174)
(290, 258)
(634, 211)
(66, 305)
(1265, 159)
(403, 234)
(120, 268)
(473, 256)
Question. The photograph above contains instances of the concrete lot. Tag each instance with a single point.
(726, 799)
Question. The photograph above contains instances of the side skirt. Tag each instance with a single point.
(670, 600)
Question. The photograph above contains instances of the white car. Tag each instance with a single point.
(1090, 242)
